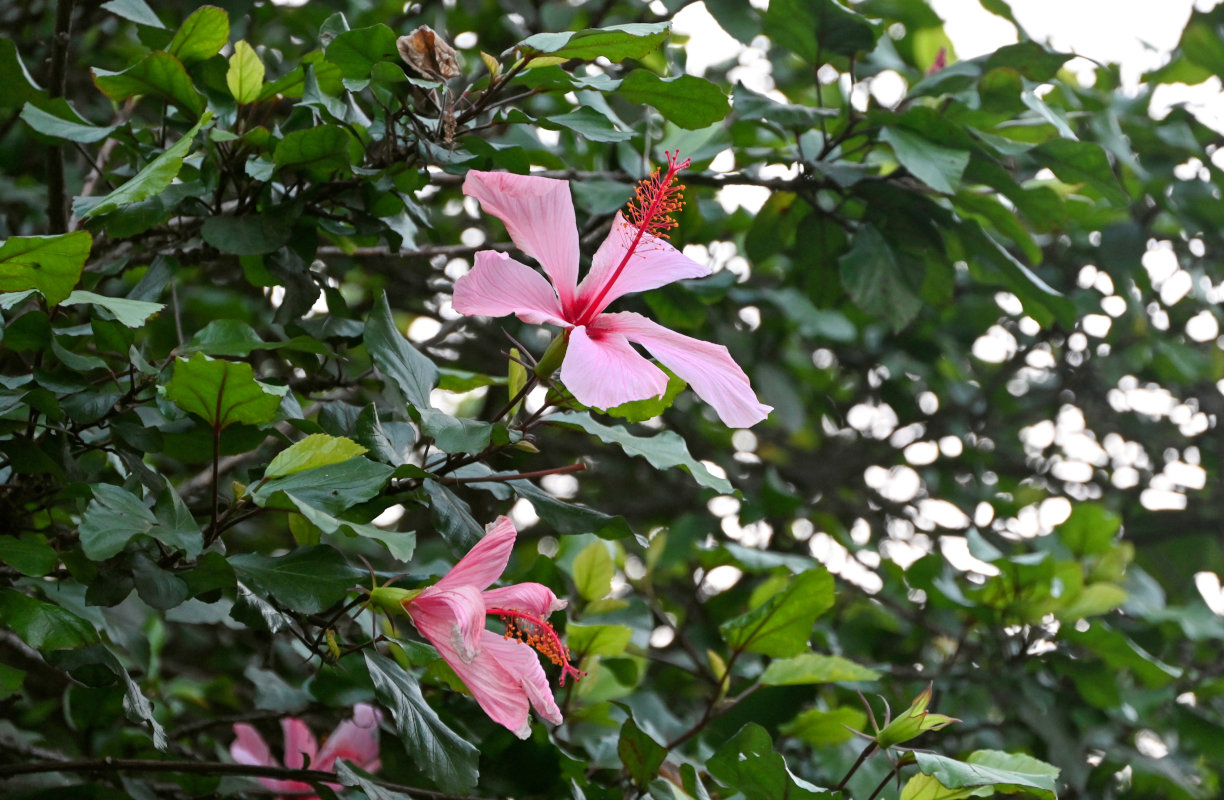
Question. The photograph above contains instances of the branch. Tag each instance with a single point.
(311, 776)
(57, 205)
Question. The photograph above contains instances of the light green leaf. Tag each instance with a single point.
(782, 625)
(111, 519)
(593, 570)
(926, 787)
(245, 75)
(159, 74)
(153, 179)
(43, 626)
(615, 43)
(588, 123)
(597, 640)
(52, 125)
(201, 36)
(937, 166)
(222, 392)
(446, 758)
(955, 774)
(826, 728)
(137, 11)
(814, 668)
(356, 52)
(663, 450)
(308, 580)
(453, 434)
(131, 313)
(50, 264)
(316, 450)
(686, 100)
(30, 556)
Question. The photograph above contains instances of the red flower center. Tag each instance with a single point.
(538, 634)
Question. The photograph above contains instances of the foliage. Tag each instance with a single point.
(234, 398)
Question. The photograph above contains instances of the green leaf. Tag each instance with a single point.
(50, 264)
(111, 519)
(615, 43)
(349, 776)
(137, 11)
(411, 372)
(782, 625)
(589, 124)
(686, 100)
(253, 234)
(663, 450)
(1090, 530)
(59, 128)
(639, 753)
(157, 587)
(879, 281)
(308, 580)
(445, 757)
(597, 640)
(813, 668)
(826, 728)
(453, 518)
(201, 36)
(30, 556)
(316, 450)
(593, 570)
(749, 764)
(1081, 163)
(566, 517)
(222, 392)
(937, 166)
(926, 787)
(332, 487)
(319, 151)
(390, 442)
(132, 313)
(1030, 59)
(153, 179)
(158, 74)
(19, 87)
(651, 407)
(453, 434)
(43, 626)
(356, 52)
(176, 528)
(955, 774)
(816, 29)
(245, 75)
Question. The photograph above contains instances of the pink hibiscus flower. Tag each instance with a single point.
(354, 740)
(501, 671)
(601, 367)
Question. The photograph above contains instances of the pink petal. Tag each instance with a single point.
(493, 686)
(539, 216)
(455, 614)
(250, 747)
(300, 745)
(707, 367)
(654, 263)
(498, 285)
(522, 662)
(485, 562)
(603, 370)
(534, 598)
(354, 740)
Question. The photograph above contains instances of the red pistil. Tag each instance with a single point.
(537, 633)
(650, 211)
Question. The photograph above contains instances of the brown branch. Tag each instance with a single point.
(57, 201)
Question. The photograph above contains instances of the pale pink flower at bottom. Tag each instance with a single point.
(502, 672)
(601, 367)
(354, 740)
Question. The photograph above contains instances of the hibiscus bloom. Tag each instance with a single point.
(500, 670)
(354, 740)
(601, 368)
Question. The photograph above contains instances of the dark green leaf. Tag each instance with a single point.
(615, 43)
(880, 280)
(201, 36)
(158, 74)
(137, 11)
(640, 754)
(308, 580)
(132, 313)
(29, 556)
(320, 151)
(331, 488)
(1016, 777)
(446, 758)
(222, 392)
(749, 764)
(153, 179)
(356, 52)
(817, 29)
(781, 626)
(1080, 163)
(43, 626)
(686, 100)
(453, 518)
(935, 165)
(111, 519)
(60, 128)
(411, 372)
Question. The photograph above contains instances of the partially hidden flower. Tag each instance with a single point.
(354, 740)
(600, 367)
(501, 671)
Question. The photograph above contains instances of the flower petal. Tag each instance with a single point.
(654, 263)
(250, 747)
(300, 745)
(494, 686)
(603, 370)
(707, 367)
(534, 598)
(522, 662)
(354, 740)
(539, 216)
(485, 562)
(498, 285)
(455, 614)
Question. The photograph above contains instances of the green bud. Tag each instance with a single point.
(553, 357)
(391, 600)
(914, 721)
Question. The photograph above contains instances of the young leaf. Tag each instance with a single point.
(814, 668)
(782, 625)
(245, 75)
(913, 722)
(593, 570)
(316, 450)
(50, 264)
(222, 392)
(201, 36)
